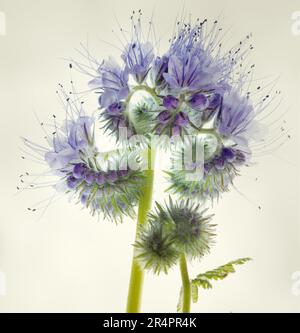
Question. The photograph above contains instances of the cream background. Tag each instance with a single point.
(66, 261)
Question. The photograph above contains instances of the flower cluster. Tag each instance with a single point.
(186, 83)
(188, 90)
(218, 173)
(178, 228)
(104, 182)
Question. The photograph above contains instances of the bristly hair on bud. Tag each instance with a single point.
(208, 176)
(178, 228)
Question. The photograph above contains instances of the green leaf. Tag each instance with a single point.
(203, 280)
(194, 293)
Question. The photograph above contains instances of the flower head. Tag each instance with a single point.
(174, 229)
(236, 118)
(192, 65)
(104, 182)
(72, 138)
(112, 81)
(209, 175)
(138, 58)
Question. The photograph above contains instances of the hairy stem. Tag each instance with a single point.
(186, 285)
(137, 274)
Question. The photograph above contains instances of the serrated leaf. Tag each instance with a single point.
(203, 280)
(194, 293)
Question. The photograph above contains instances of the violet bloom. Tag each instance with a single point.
(123, 173)
(79, 170)
(215, 101)
(115, 109)
(73, 137)
(72, 182)
(112, 81)
(183, 73)
(240, 157)
(199, 102)
(192, 66)
(160, 67)
(99, 178)
(138, 58)
(219, 162)
(236, 119)
(112, 176)
(164, 117)
(228, 154)
(89, 176)
(181, 119)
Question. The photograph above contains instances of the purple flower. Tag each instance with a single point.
(219, 162)
(164, 117)
(73, 137)
(81, 133)
(138, 58)
(192, 66)
(181, 119)
(84, 197)
(79, 170)
(112, 176)
(99, 178)
(228, 154)
(170, 102)
(122, 173)
(207, 167)
(214, 101)
(199, 102)
(115, 109)
(112, 80)
(160, 67)
(183, 73)
(89, 176)
(72, 182)
(235, 120)
(240, 157)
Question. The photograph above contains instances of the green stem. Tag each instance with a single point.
(186, 285)
(137, 274)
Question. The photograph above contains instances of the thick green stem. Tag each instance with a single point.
(137, 274)
(186, 285)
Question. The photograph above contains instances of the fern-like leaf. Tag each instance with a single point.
(203, 280)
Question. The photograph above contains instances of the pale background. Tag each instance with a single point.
(66, 261)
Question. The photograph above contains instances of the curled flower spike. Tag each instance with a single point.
(208, 175)
(177, 228)
(107, 183)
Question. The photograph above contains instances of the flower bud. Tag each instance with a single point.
(170, 102)
(199, 102)
(79, 170)
(181, 119)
